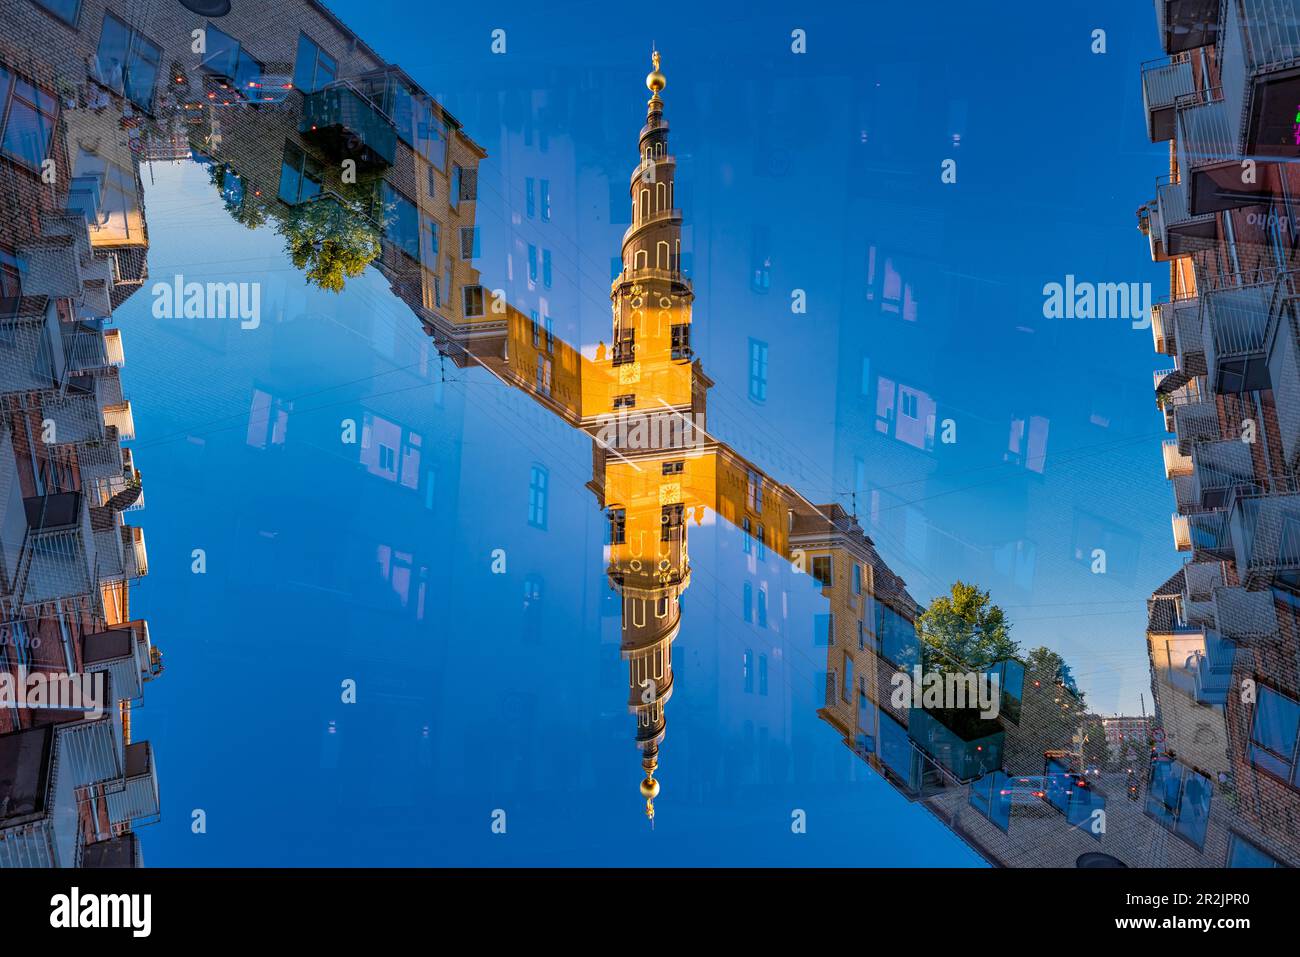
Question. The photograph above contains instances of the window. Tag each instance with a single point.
(862, 637)
(65, 10)
(473, 300)
(747, 664)
(748, 611)
(762, 608)
(991, 797)
(681, 340)
(760, 274)
(546, 268)
(670, 522)
(536, 328)
(624, 401)
(469, 247)
(1179, 798)
(546, 200)
(27, 116)
(673, 468)
(757, 371)
(401, 221)
(453, 195)
(846, 686)
(530, 201)
(1242, 853)
(821, 571)
(227, 58)
(430, 234)
(753, 491)
(896, 637)
(538, 479)
(617, 526)
(467, 186)
(857, 579)
(533, 583)
(909, 403)
(300, 176)
(127, 63)
(762, 543)
(1273, 735)
(11, 276)
(543, 374)
(762, 673)
(313, 68)
(747, 541)
(532, 263)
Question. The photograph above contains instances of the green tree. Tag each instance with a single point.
(1096, 752)
(332, 239)
(964, 631)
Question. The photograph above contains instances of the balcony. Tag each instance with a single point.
(1222, 467)
(1199, 581)
(118, 416)
(1182, 533)
(1183, 233)
(1262, 78)
(90, 750)
(1209, 535)
(1152, 227)
(1283, 359)
(1213, 673)
(38, 818)
(60, 560)
(1189, 335)
(1187, 24)
(960, 742)
(31, 353)
(1266, 538)
(122, 653)
(76, 413)
(1176, 463)
(1196, 421)
(1244, 616)
(86, 348)
(120, 851)
(13, 518)
(1165, 318)
(1236, 321)
(1163, 81)
(137, 803)
(348, 125)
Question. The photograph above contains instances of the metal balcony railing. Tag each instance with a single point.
(1163, 81)
(1176, 462)
(1266, 535)
(1245, 615)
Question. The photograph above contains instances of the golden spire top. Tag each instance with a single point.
(655, 80)
(650, 787)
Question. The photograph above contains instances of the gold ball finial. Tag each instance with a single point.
(655, 80)
(649, 788)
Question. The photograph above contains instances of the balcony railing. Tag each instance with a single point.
(1176, 463)
(137, 803)
(1163, 81)
(1245, 615)
(1183, 233)
(350, 125)
(1213, 677)
(1222, 467)
(1195, 420)
(1266, 536)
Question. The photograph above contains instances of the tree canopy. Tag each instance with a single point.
(964, 630)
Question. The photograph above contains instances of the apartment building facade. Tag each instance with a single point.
(1223, 632)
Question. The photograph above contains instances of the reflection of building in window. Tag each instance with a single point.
(1179, 798)
(748, 596)
(27, 116)
(846, 689)
(1242, 853)
(469, 243)
(747, 668)
(268, 420)
(762, 615)
(406, 581)
(401, 222)
(887, 286)
(1273, 736)
(538, 481)
(390, 451)
(473, 299)
(906, 413)
(821, 571)
(757, 370)
(65, 10)
(127, 62)
(760, 274)
(106, 193)
(681, 340)
(617, 526)
(312, 67)
(1027, 444)
(762, 675)
(300, 176)
(533, 607)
